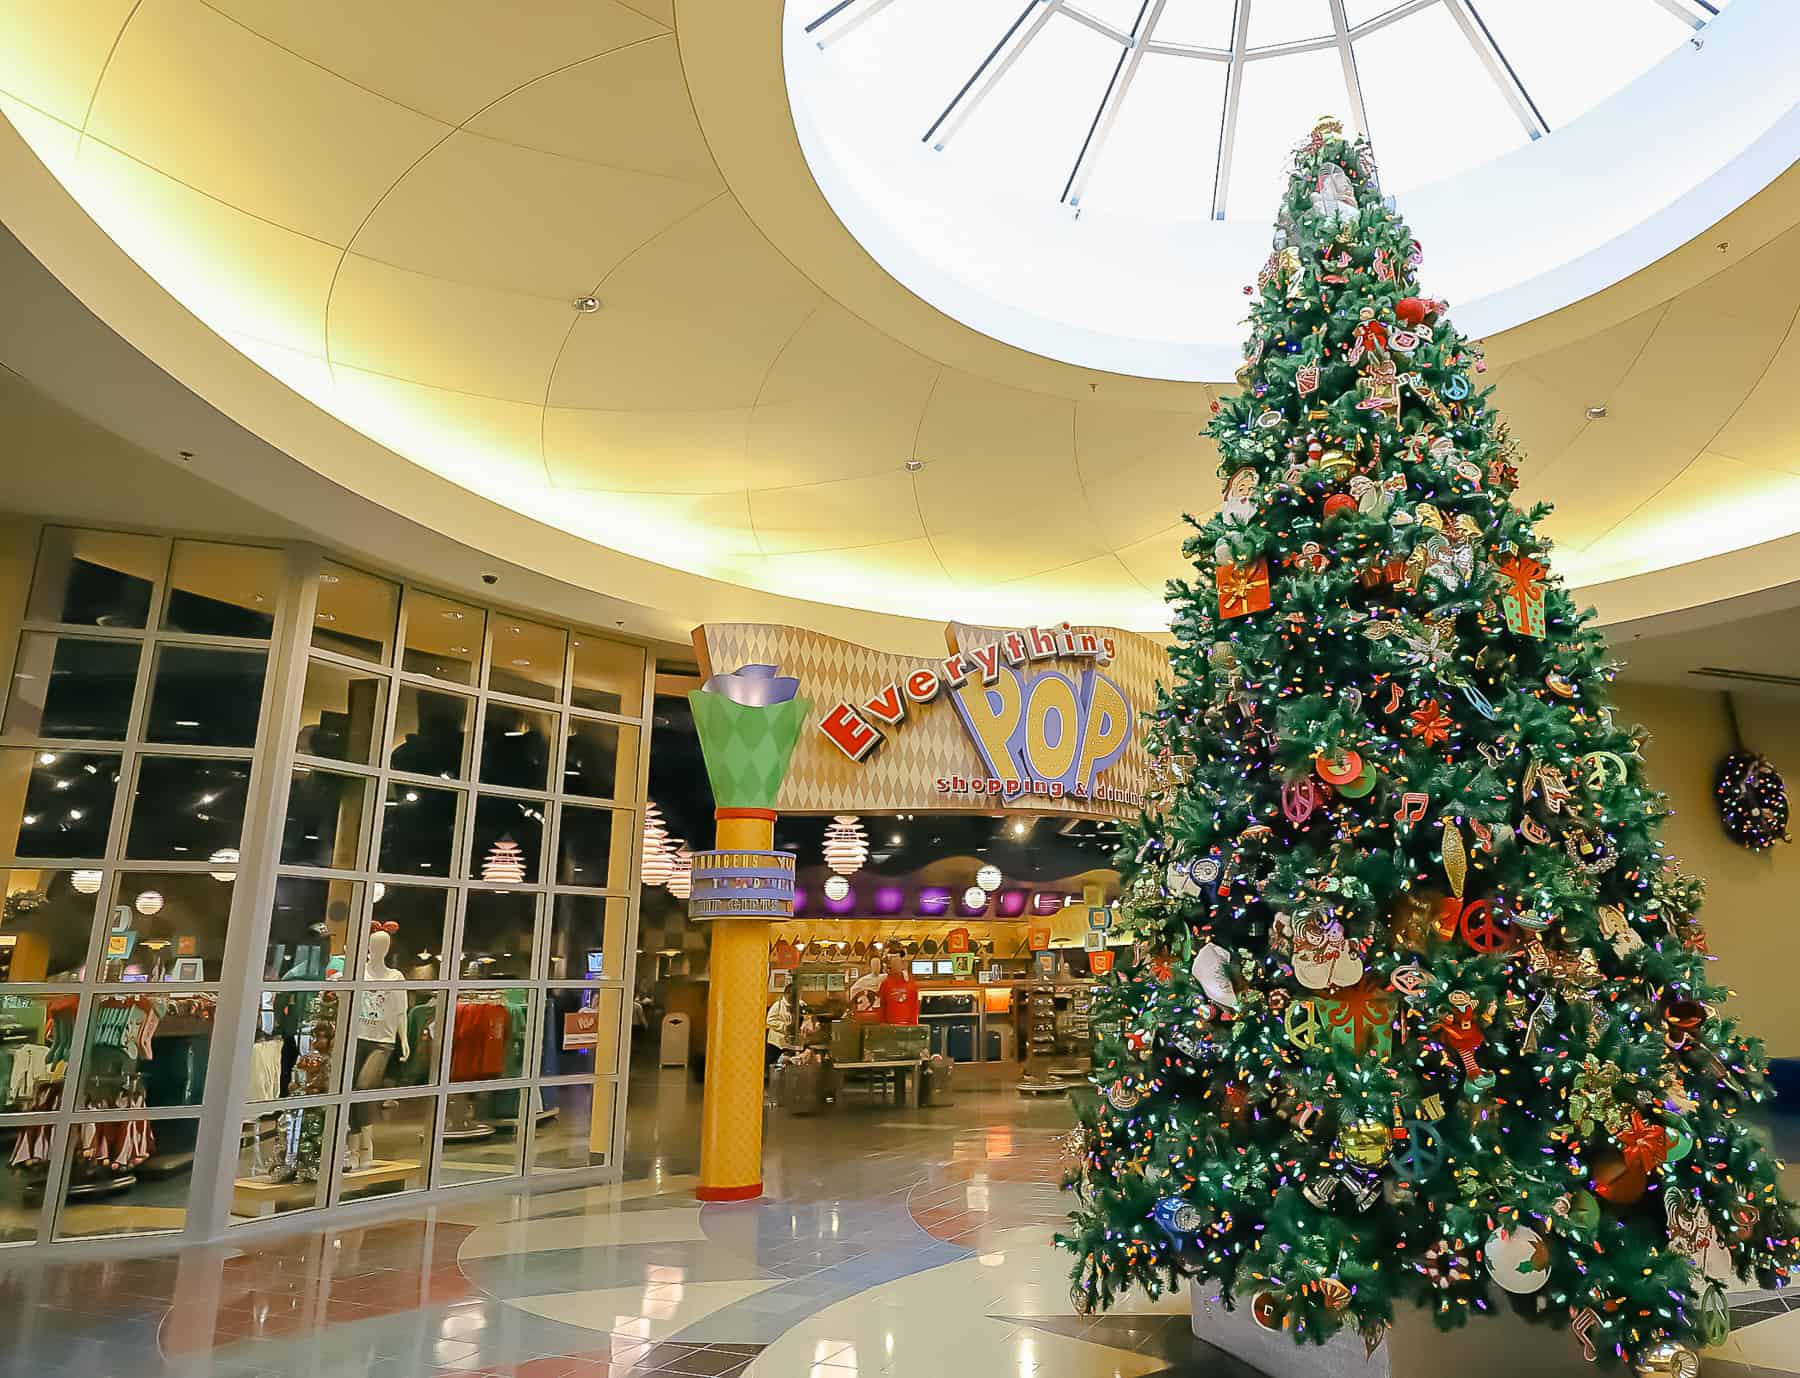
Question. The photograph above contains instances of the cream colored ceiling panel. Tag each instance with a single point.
(628, 108)
(1142, 470)
(1100, 590)
(1592, 367)
(691, 320)
(709, 533)
(237, 273)
(692, 452)
(1157, 559)
(1715, 504)
(841, 399)
(540, 224)
(445, 334)
(51, 55)
(1764, 431)
(1027, 537)
(662, 11)
(54, 143)
(487, 445)
(892, 576)
(447, 58)
(837, 516)
(233, 115)
(985, 446)
(1544, 415)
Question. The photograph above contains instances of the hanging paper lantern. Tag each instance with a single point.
(226, 856)
(1753, 803)
(681, 870)
(148, 903)
(84, 882)
(504, 863)
(836, 888)
(975, 898)
(988, 878)
(846, 845)
(657, 864)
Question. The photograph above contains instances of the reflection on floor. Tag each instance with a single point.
(893, 1241)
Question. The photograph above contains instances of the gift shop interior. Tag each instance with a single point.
(899, 688)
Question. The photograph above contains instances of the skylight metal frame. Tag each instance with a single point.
(843, 16)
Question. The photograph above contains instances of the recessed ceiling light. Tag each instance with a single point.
(587, 305)
(453, 614)
(458, 650)
(328, 578)
(914, 465)
(1597, 413)
(325, 616)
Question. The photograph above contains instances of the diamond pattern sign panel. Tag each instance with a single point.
(1044, 719)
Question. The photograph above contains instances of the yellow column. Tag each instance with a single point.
(731, 1112)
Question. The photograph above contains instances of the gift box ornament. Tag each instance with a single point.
(1522, 595)
(1243, 589)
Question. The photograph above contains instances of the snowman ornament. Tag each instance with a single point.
(1323, 957)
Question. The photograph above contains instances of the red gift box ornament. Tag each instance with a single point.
(1522, 596)
(1243, 589)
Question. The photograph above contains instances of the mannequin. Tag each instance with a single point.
(380, 1023)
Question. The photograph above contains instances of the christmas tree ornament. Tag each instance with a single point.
(1212, 970)
(1613, 1180)
(1518, 1258)
(1523, 595)
(1578, 1209)
(1243, 589)
(1367, 1143)
(1122, 1096)
(1560, 684)
(1300, 798)
(1362, 785)
(1177, 1218)
(1339, 768)
(1455, 857)
(1266, 1310)
(1239, 503)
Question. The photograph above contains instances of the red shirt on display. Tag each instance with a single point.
(899, 1000)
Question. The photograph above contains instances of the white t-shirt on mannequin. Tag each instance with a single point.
(381, 1014)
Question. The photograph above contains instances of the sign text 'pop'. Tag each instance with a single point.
(1039, 731)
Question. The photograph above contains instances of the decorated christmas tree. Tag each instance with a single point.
(1422, 1016)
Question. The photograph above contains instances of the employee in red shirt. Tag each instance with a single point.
(899, 993)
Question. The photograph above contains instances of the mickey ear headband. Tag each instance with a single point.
(390, 928)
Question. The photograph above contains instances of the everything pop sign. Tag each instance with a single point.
(1041, 717)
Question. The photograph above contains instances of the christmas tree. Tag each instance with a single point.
(1421, 1017)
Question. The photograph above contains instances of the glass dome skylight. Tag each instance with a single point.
(1184, 109)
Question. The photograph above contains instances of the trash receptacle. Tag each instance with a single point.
(802, 1089)
(674, 1041)
(937, 1081)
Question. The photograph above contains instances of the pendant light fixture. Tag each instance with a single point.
(504, 863)
(846, 845)
(681, 873)
(656, 866)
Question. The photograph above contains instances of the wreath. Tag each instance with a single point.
(1753, 803)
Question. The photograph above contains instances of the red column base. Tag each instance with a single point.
(728, 1193)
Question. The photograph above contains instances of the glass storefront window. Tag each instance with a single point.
(481, 1138)
(498, 930)
(443, 637)
(309, 928)
(431, 733)
(527, 659)
(104, 1194)
(354, 613)
(601, 759)
(222, 590)
(26, 1150)
(147, 1049)
(587, 938)
(396, 1037)
(187, 808)
(516, 746)
(419, 828)
(340, 713)
(282, 1162)
(418, 914)
(388, 1147)
(295, 1044)
(326, 811)
(574, 1127)
(581, 1031)
(48, 918)
(487, 1038)
(204, 696)
(166, 926)
(591, 847)
(608, 677)
(35, 1036)
(56, 803)
(72, 686)
(509, 840)
(95, 578)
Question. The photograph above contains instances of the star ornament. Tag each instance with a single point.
(1431, 724)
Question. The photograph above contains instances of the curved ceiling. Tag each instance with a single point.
(391, 209)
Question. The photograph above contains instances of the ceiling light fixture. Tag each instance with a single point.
(846, 845)
(587, 305)
(1597, 413)
(657, 864)
(914, 465)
